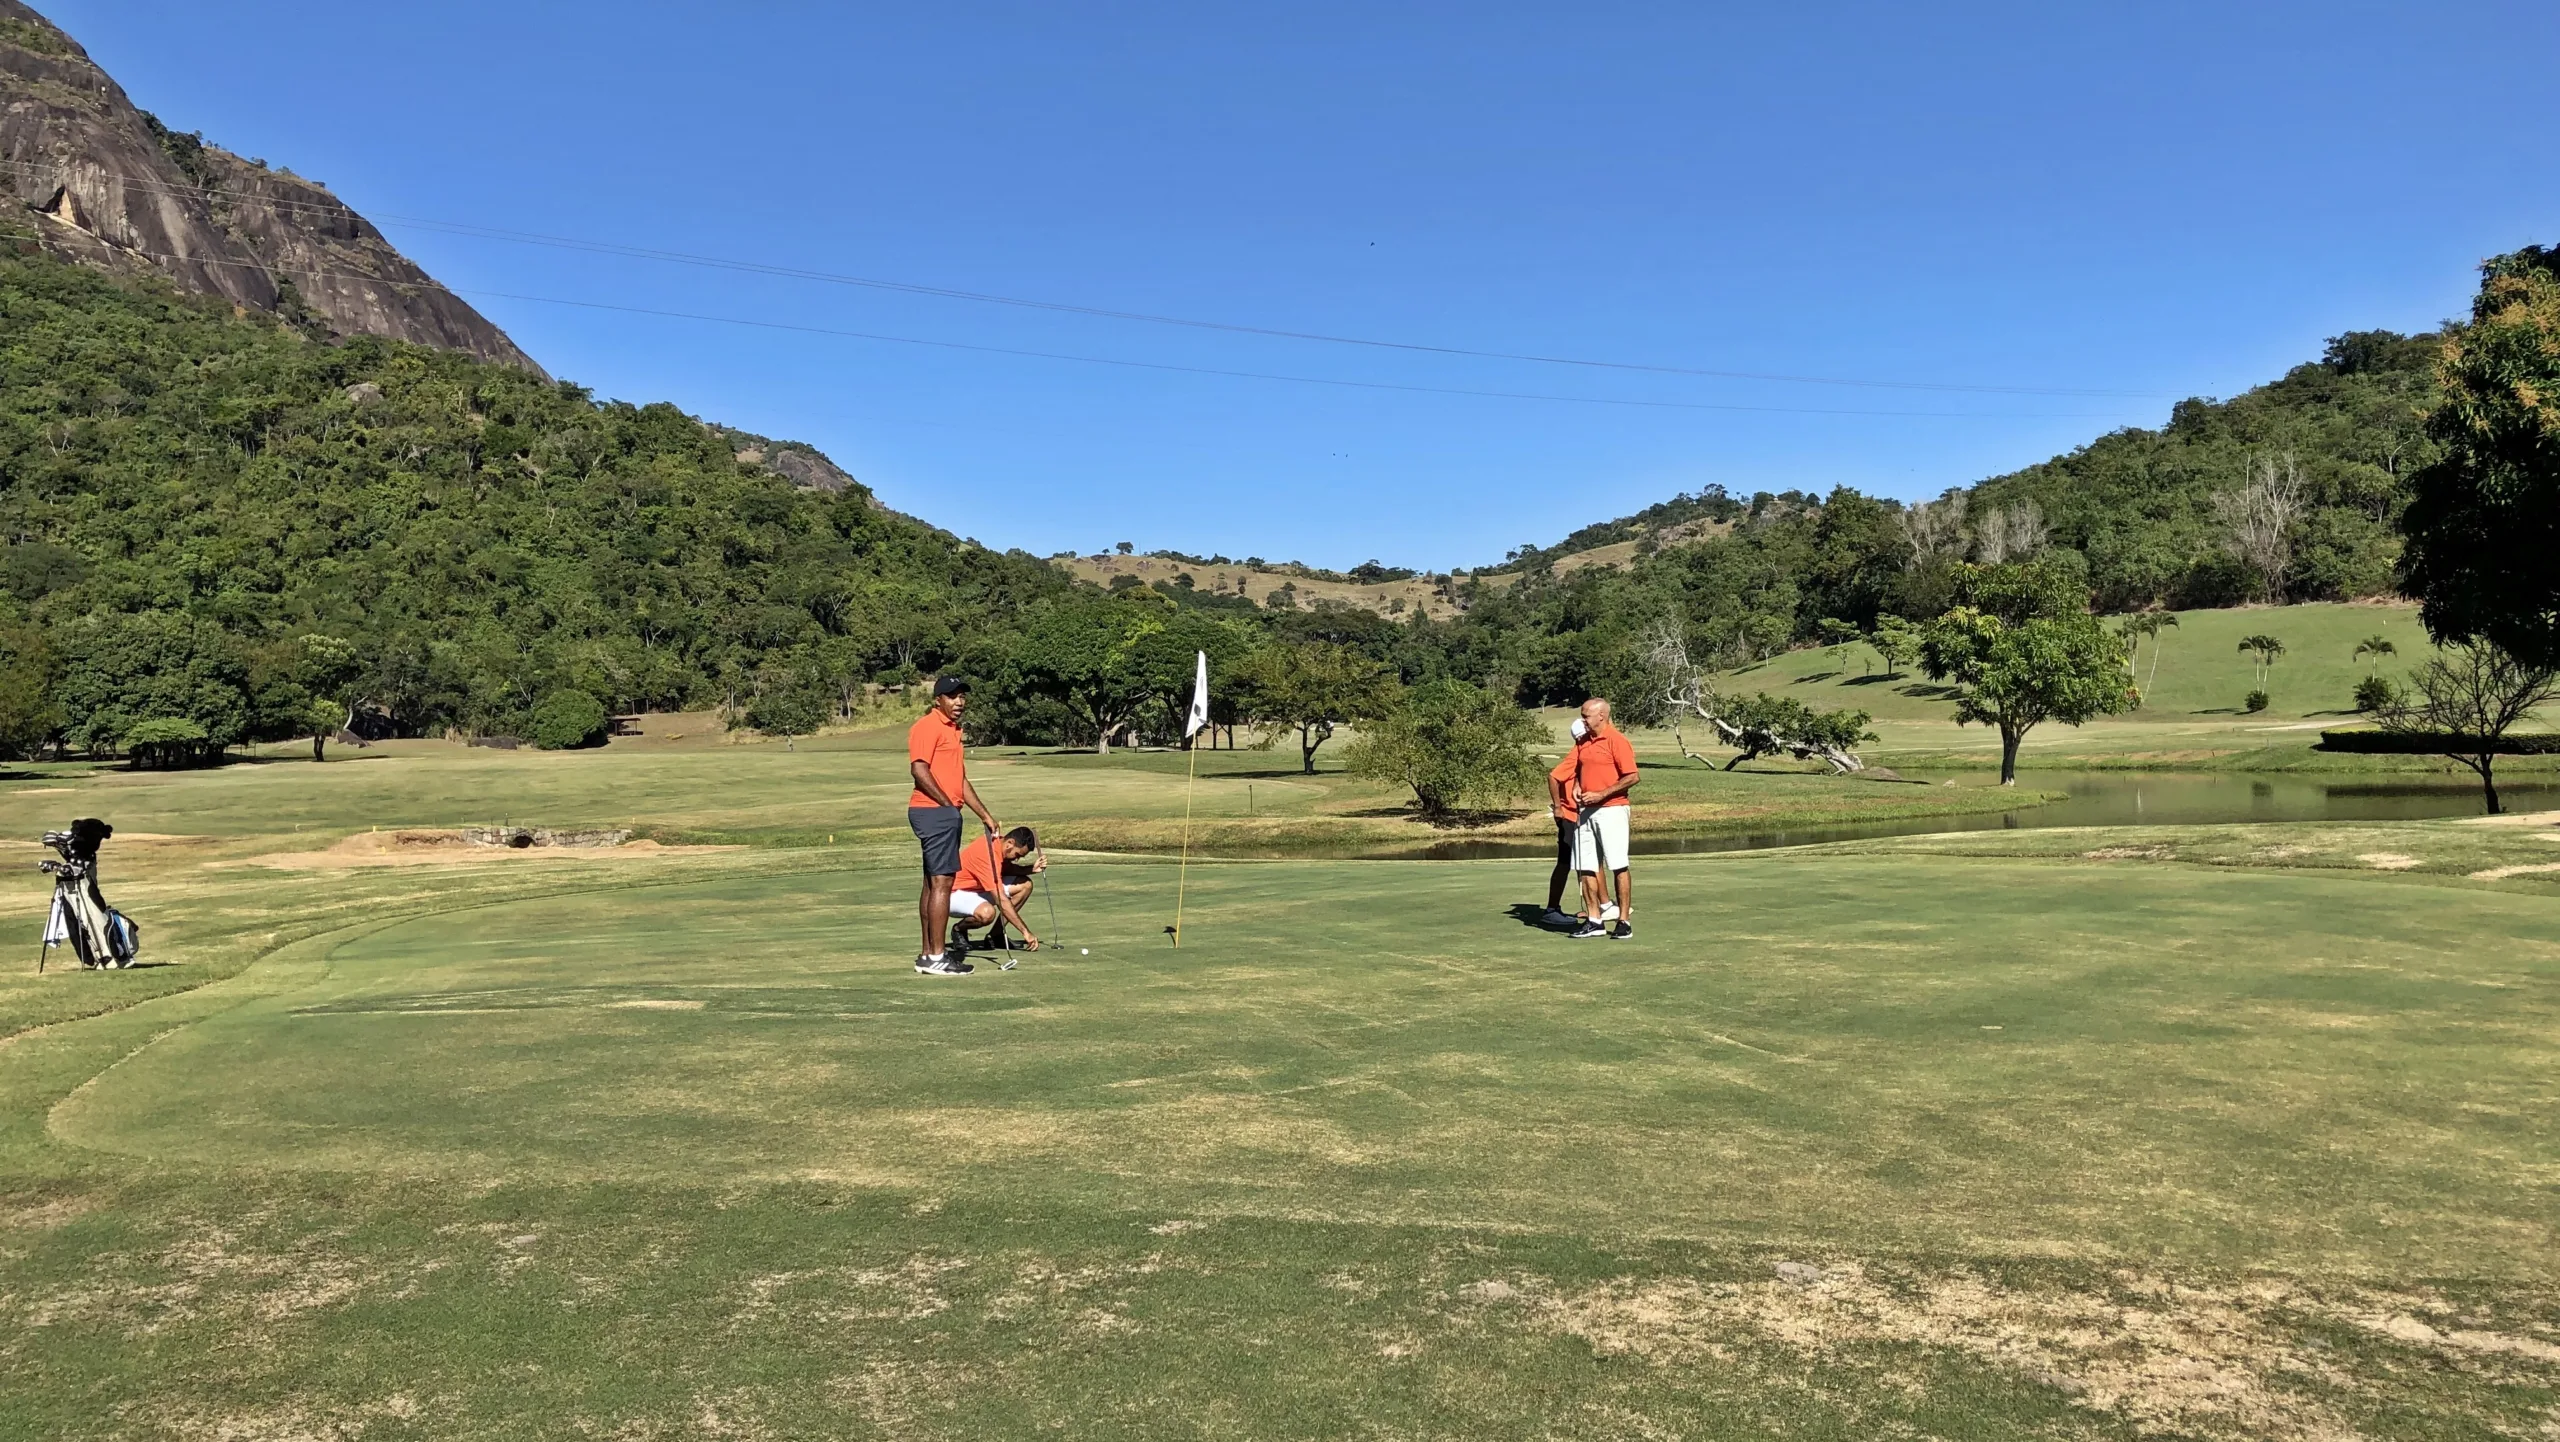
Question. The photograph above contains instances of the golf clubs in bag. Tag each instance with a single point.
(100, 935)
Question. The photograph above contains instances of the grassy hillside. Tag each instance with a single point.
(1415, 595)
(2201, 672)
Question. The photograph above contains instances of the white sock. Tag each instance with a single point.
(937, 956)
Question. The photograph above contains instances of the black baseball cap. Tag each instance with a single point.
(950, 686)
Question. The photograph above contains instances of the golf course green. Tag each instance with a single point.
(2205, 1131)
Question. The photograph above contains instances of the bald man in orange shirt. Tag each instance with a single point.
(1604, 772)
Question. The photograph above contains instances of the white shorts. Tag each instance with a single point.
(966, 903)
(1600, 842)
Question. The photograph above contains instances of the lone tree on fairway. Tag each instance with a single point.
(1896, 641)
(2468, 697)
(325, 672)
(1837, 637)
(1310, 687)
(2022, 650)
(2375, 647)
(1085, 655)
(2483, 521)
(1457, 745)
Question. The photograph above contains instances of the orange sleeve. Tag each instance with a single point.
(1623, 751)
(1563, 772)
(978, 871)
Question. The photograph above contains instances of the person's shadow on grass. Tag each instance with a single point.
(1529, 915)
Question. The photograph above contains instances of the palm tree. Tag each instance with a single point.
(2266, 649)
(2135, 629)
(2377, 647)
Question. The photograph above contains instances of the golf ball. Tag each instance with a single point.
(1084, 951)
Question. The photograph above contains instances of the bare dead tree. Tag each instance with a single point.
(2468, 697)
(2012, 533)
(1755, 726)
(1934, 528)
(2258, 518)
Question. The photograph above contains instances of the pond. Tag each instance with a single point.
(2101, 798)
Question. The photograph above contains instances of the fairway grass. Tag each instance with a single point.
(2226, 1132)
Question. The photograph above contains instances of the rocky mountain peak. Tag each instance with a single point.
(116, 188)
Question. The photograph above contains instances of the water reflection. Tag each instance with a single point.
(2129, 798)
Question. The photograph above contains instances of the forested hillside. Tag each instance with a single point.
(2159, 515)
(223, 522)
(193, 493)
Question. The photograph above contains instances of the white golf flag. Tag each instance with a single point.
(1199, 700)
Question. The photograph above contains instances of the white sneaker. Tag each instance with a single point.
(1608, 911)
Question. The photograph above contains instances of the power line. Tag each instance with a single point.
(429, 283)
(1269, 375)
(594, 247)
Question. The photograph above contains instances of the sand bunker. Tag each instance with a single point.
(412, 847)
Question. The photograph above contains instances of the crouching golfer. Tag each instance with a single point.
(991, 888)
(933, 813)
(1604, 772)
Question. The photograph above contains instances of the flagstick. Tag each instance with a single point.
(1182, 877)
(1198, 718)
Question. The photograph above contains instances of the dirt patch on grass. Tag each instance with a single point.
(2501, 873)
(2504, 818)
(2168, 1357)
(2390, 861)
(419, 847)
(33, 1214)
(212, 1273)
(908, 1292)
(2131, 853)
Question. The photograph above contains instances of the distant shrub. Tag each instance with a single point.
(568, 719)
(2255, 702)
(2376, 693)
(789, 711)
(1456, 744)
(169, 741)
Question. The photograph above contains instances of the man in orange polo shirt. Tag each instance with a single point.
(991, 888)
(1604, 772)
(933, 812)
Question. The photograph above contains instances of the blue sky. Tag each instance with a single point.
(2140, 202)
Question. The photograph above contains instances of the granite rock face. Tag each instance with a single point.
(114, 188)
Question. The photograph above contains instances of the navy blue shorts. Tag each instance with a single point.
(938, 827)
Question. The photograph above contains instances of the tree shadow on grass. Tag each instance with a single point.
(1530, 916)
(1877, 679)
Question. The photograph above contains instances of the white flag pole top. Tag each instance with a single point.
(1199, 700)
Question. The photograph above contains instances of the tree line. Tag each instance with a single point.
(222, 528)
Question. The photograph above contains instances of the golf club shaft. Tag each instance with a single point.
(1049, 894)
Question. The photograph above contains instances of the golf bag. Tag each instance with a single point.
(100, 935)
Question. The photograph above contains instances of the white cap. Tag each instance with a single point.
(1579, 730)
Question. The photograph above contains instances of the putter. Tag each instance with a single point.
(1051, 897)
